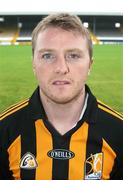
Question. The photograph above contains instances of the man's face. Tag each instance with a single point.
(61, 64)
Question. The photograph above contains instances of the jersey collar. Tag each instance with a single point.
(36, 109)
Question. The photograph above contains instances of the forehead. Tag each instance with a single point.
(51, 36)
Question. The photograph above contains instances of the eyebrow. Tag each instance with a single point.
(74, 49)
(45, 50)
(53, 50)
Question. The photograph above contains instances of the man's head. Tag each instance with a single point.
(66, 22)
(62, 57)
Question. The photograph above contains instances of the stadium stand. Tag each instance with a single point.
(8, 34)
(107, 31)
(8, 31)
(17, 29)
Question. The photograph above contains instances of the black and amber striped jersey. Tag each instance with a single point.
(32, 149)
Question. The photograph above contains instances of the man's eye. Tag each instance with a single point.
(48, 56)
(72, 56)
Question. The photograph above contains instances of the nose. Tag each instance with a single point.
(61, 66)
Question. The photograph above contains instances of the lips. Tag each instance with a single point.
(59, 82)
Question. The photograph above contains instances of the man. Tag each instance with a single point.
(62, 132)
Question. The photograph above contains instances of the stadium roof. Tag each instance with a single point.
(82, 7)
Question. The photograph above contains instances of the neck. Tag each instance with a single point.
(63, 116)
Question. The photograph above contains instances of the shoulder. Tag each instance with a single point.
(110, 122)
(110, 126)
(107, 111)
(102, 112)
(13, 112)
(10, 123)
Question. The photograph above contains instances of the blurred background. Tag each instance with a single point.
(104, 19)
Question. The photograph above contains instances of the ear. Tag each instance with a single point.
(33, 66)
(90, 65)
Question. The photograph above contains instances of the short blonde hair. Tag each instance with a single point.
(64, 21)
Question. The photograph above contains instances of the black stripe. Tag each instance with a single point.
(28, 144)
(110, 109)
(60, 167)
(5, 173)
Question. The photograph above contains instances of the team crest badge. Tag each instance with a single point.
(28, 161)
(93, 167)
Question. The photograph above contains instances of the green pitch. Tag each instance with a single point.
(17, 81)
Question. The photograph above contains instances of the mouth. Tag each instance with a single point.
(60, 83)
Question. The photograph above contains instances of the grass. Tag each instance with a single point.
(106, 79)
(17, 81)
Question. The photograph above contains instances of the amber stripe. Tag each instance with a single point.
(109, 156)
(78, 146)
(13, 107)
(13, 110)
(104, 105)
(109, 111)
(44, 144)
(14, 152)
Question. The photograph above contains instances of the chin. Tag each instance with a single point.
(62, 99)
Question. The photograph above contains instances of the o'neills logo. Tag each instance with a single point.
(62, 154)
